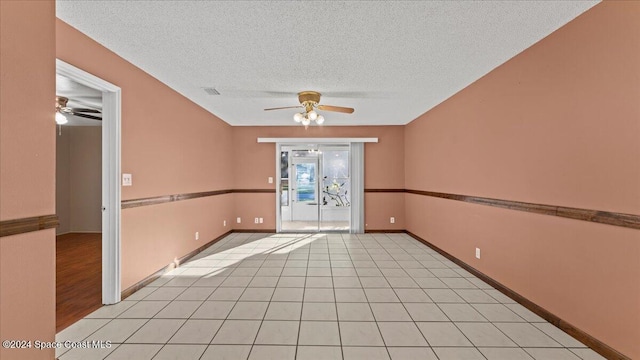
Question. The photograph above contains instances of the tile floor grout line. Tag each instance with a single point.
(304, 291)
(371, 308)
(223, 320)
(451, 320)
(487, 320)
(366, 251)
(234, 306)
(335, 301)
(262, 321)
(436, 304)
(403, 305)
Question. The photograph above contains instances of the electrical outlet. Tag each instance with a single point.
(238, 220)
(261, 220)
(270, 179)
(477, 253)
(197, 235)
(224, 223)
(392, 220)
(255, 221)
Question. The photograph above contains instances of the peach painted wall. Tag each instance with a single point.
(160, 234)
(171, 146)
(254, 163)
(558, 124)
(27, 173)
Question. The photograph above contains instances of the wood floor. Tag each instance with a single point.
(78, 277)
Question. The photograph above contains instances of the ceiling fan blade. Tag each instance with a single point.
(84, 110)
(336, 108)
(86, 116)
(286, 107)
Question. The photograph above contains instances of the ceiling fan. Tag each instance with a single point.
(309, 100)
(61, 108)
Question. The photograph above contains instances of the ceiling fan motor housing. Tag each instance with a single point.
(309, 96)
(61, 102)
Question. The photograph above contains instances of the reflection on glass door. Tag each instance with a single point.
(336, 205)
(314, 189)
(304, 202)
(299, 191)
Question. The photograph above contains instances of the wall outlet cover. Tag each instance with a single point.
(127, 180)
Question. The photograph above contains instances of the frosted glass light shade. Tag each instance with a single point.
(61, 119)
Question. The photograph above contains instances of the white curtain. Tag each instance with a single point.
(357, 188)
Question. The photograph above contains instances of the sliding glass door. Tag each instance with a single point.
(335, 206)
(314, 188)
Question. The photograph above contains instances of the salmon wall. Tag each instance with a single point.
(170, 146)
(255, 162)
(558, 124)
(27, 173)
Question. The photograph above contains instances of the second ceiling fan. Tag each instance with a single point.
(62, 108)
(310, 100)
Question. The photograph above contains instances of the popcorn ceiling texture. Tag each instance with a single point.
(390, 60)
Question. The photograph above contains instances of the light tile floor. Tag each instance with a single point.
(320, 296)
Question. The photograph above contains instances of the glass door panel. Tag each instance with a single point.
(314, 188)
(304, 204)
(283, 188)
(335, 206)
(301, 190)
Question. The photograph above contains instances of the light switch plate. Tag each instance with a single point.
(127, 180)
(270, 180)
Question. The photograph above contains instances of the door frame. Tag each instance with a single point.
(293, 181)
(279, 142)
(111, 143)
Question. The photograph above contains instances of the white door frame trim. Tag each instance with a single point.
(279, 142)
(317, 140)
(111, 114)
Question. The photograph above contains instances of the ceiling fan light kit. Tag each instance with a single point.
(60, 118)
(309, 100)
(62, 111)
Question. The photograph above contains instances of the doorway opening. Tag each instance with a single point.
(315, 188)
(78, 201)
(87, 193)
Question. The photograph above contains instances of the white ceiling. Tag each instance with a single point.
(390, 60)
(80, 96)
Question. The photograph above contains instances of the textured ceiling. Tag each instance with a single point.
(390, 60)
